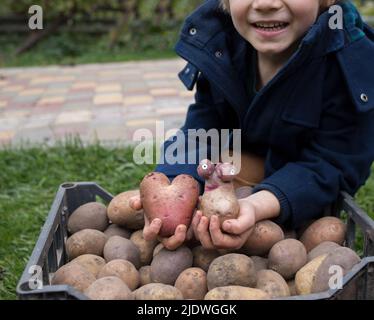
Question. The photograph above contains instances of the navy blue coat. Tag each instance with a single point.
(313, 122)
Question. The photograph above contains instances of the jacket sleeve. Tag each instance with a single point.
(338, 158)
(202, 114)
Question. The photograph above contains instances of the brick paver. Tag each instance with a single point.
(107, 101)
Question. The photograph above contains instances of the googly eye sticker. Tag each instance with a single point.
(232, 171)
(204, 166)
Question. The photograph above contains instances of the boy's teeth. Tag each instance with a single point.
(270, 25)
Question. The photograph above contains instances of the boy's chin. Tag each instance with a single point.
(276, 49)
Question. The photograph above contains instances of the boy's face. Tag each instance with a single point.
(274, 26)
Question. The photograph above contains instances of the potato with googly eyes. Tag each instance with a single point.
(219, 195)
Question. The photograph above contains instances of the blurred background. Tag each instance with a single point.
(84, 31)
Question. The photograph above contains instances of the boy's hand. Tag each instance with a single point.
(236, 231)
(152, 229)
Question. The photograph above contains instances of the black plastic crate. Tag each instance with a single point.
(49, 252)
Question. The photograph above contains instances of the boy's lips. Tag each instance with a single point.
(269, 29)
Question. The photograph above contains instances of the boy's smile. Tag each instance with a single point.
(270, 29)
(274, 26)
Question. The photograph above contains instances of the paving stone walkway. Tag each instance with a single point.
(107, 101)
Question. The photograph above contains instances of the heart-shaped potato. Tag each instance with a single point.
(173, 203)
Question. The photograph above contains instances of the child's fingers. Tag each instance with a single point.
(203, 233)
(135, 203)
(195, 222)
(177, 239)
(245, 220)
(222, 240)
(151, 231)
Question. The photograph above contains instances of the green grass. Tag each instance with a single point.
(29, 179)
(69, 48)
(28, 182)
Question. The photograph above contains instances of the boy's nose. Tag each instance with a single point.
(266, 5)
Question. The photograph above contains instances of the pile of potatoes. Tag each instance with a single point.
(110, 260)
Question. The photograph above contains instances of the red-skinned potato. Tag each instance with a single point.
(173, 203)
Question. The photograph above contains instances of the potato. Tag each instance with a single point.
(122, 269)
(91, 262)
(305, 276)
(168, 265)
(121, 248)
(231, 269)
(342, 257)
(286, 257)
(221, 202)
(87, 241)
(236, 293)
(173, 203)
(324, 229)
(323, 248)
(265, 234)
(74, 275)
(145, 247)
(145, 275)
(157, 291)
(158, 248)
(91, 215)
(109, 288)
(272, 283)
(192, 283)
(120, 212)
(202, 257)
(219, 196)
(260, 263)
(314, 276)
(116, 230)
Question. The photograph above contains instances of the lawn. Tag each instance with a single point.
(68, 48)
(29, 179)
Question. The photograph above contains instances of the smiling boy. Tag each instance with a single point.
(302, 94)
